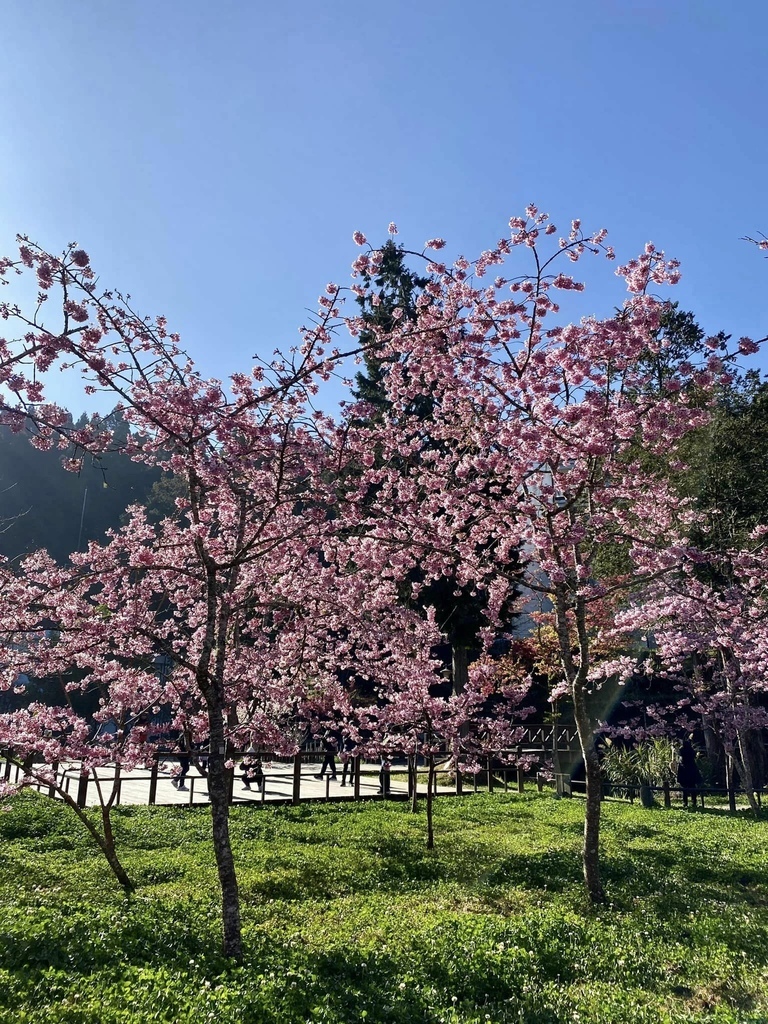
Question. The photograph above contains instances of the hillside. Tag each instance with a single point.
(44, 505)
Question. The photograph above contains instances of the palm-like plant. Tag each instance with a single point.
(649, 764)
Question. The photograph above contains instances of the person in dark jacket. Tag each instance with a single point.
(184, 764)
(688, 774)
(329, 761)
(253, 771)
(348, 762)
(385, 776)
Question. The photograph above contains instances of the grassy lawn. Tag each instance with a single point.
(348, 918)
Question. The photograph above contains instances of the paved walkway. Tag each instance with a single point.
(278, 785)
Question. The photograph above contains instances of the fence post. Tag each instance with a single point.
(296, 778)
(356, 773)
(459, 780)
(539, 782)
(55, 767)
(563, 784)
(82, 789)
(667, 794)
(490, 775)
(520, 780)
(151, 799)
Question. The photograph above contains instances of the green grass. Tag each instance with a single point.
(348, 918)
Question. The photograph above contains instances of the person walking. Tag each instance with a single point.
(347, 761)
(329, 761)
(688, 774)
(184, 762)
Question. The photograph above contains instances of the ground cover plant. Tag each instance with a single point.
(347, 917)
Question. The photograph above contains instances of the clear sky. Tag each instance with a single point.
(215, 157)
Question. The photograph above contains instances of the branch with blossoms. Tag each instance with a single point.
(711, 641)
(99, 335)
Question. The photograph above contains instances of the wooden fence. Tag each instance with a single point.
(286, 780)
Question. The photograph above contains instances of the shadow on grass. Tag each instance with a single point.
(357, 987)
(403, 863)
(326, 873)
(674, 887)
(552, 870)
(84, 939)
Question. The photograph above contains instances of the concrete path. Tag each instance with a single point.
(278, 785)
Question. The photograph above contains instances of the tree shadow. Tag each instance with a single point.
(552, 870)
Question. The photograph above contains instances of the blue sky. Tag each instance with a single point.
(214, 158)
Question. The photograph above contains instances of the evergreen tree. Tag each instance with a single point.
(680, 339)
(725, 461)
(48, 506)
(727, 474)
(398, 288)
(459, 608)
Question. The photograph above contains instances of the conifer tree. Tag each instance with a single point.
(389, 301)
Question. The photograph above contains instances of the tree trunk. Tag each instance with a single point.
(109, 849)
(218, 790)
(117, 868)
(730, 783)
(106, 842)
(556, 766)
(576, 674)
(744, 768)
(219, 778)
(591, 851)
(430, 801)
(459, 668)
(413, 770)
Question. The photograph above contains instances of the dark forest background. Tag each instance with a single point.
(43, 505)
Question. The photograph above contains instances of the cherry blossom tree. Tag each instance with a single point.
(297, 633)
(250, 589)
(282, 566)
(709, 633)
(540, 425)
(411, 718)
